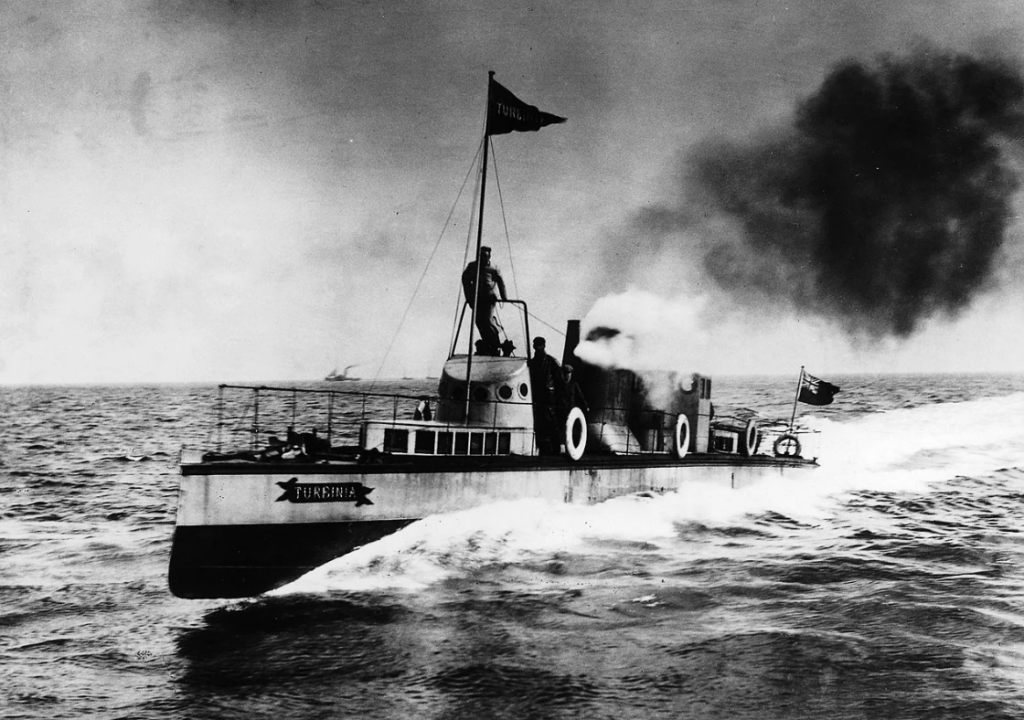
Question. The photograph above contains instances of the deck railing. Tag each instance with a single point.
(256, 413)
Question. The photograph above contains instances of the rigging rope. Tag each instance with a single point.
(469, 243)
(544, 322)
(465, 255)
(504, 221)
(508, 241)
(419, 282)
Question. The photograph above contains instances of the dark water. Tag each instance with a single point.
(890, 586)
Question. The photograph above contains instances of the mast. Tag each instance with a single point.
(476, 255)
(796, 398)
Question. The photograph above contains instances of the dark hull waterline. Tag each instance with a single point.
(245, 528)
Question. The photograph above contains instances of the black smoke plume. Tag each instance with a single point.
(602, 333)
(888, 199)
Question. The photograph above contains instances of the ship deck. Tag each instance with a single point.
(235, 465)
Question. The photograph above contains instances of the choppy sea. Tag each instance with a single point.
(889, 586)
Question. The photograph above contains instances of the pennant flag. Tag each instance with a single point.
(507, 113)
(816, 392)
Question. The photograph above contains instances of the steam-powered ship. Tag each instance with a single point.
(343, 376)
(257, 515)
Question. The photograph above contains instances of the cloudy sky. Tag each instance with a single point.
(252, 190)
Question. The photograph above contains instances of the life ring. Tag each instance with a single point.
(751, 438)
(681, 437)
(575, 433)
(787, 446)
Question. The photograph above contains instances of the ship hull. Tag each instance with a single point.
(246, 528)
(230, 561)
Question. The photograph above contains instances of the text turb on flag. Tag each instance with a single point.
(507, 113)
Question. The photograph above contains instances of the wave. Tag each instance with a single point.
(907, 448)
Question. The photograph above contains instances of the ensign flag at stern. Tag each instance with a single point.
(814, 391)
(506, 113)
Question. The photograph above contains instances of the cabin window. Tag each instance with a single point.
(490, 443)
(425, 442)
(461, 443)
(725, 442)
(505, 392)
(396, 440)
(504, 443)
(476, 443)
(480, 394)
(444, 443)
(707, 387)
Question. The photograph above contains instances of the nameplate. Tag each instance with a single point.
(296, 492)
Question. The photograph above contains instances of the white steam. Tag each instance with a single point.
(639, 331)
(660, 340)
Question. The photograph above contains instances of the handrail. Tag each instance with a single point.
(318, 391)
(394, 397)
(462, 318)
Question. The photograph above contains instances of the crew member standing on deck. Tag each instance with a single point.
(485, 298)
(548, 390)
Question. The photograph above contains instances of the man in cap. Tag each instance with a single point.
(484, 297)
(548, 390)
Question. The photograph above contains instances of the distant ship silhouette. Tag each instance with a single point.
(335, 377)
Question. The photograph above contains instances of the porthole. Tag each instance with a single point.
(458, 393)
(480, 394)
(505, 392)
(524, 390)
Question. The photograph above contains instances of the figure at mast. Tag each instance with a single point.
(485, 288)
